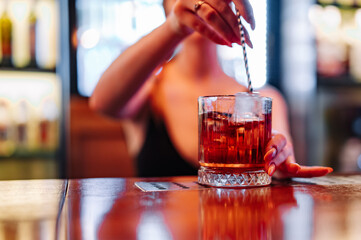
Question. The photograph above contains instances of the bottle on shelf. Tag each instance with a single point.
(19, 11)
(48, 125)
(46, 34)
(7, 145)
(22, 121)
(32, 35)
(6, 27)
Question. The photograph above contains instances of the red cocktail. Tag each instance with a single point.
(232, 139)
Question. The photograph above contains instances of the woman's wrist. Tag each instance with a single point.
(174, 27)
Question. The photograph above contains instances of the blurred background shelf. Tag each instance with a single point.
(28, 168)
(31, 90)
(342, 4)
(50, 154)
(27, 69)
(346, 81)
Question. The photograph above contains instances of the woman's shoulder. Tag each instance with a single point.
(270, 91)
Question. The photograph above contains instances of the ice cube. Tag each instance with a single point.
(247, 106)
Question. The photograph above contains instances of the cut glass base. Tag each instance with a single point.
(221, 178)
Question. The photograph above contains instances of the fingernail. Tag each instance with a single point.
(271, 169)
(274, 152)
(330, 170)
(271, 154)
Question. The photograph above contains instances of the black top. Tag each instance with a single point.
(158, 157)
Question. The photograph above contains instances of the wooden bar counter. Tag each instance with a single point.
(178, 208)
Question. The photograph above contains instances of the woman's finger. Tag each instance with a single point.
(218, 20)
(277, 142)
(290, 165)
(194, 22)
(214, 19)
(246, 11)
(287, 169)
(315, 171)
(291, 169)
(279, 159)
(226, 12)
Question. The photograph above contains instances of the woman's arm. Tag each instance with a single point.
(128, 73)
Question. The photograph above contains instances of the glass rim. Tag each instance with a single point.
(217, 96)
(231, 96)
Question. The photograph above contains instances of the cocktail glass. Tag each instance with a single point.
(233, 133)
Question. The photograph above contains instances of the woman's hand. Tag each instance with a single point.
(280, 160)
(213, 19)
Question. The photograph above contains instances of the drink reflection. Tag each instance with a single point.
(254, 213)
(29, 209)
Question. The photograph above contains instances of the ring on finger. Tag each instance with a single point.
(198, 5)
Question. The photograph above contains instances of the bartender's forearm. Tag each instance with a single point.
(133, 67)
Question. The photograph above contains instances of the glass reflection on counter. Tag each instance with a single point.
(29, 209)
(254, 213)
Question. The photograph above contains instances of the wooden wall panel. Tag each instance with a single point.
(97, 144)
